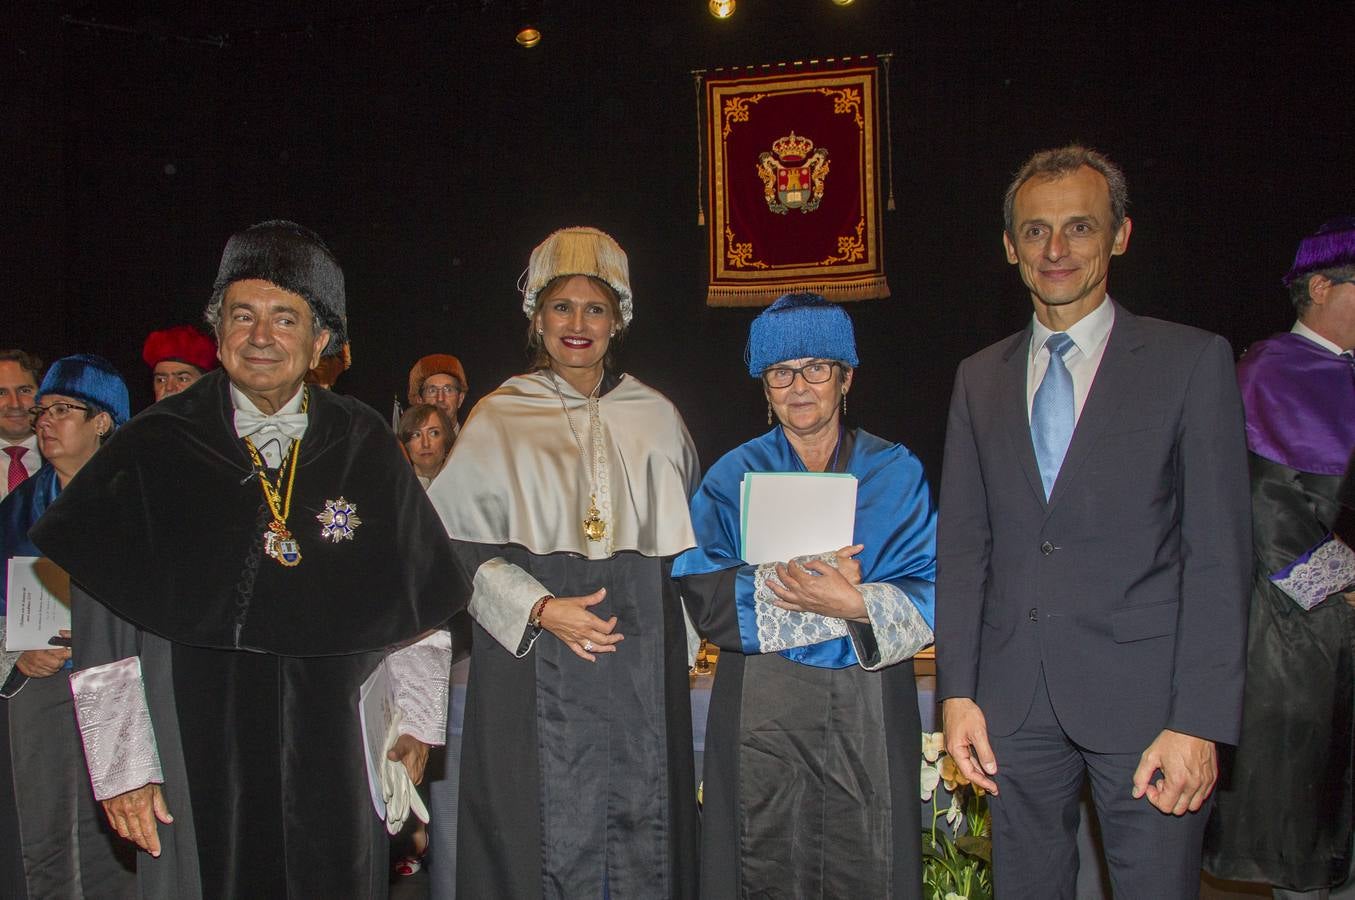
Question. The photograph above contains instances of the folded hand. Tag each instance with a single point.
(818, 587)
(569, 620)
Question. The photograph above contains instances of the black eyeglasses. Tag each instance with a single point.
(813, 373)
(58, 411)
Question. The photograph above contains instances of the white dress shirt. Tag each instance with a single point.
(268, 440)
(1304, 331)
(1082, 359)
(32, 460)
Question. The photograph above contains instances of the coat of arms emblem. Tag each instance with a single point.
(793, 174)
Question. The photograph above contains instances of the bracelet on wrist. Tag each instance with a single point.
(534, 620)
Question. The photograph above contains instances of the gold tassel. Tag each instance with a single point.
(700, 142)
(889, 134)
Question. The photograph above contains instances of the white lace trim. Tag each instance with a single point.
(115, 727)
(900, 630)
(601, 471)
(420, 674)
(781, 629)
(1329, 568)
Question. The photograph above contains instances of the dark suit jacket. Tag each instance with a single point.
(1130, 585)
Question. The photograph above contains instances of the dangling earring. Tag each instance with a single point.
(844, 402)
(769, 412)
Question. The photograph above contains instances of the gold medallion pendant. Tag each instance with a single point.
(594, 528)
(279, 544)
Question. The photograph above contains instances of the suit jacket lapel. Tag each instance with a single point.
(1015, 359)
(1113, 384)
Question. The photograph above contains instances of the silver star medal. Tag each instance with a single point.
(339, 519)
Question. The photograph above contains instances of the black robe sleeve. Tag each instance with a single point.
(709, 598)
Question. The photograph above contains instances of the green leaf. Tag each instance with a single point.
(976, 846)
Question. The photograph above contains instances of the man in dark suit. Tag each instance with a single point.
(1092, 557)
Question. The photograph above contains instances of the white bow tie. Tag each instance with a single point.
(292, 425)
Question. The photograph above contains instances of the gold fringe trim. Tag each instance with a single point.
(873, 288)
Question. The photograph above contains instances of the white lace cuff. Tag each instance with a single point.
(420, 673)
(501, 601)
(1327, 569)
(115, 727)
(900, 630)
(781, 629)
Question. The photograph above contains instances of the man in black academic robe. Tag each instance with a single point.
(1285, 802)
(250, 620)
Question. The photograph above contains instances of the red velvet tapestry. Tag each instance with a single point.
(794, 195)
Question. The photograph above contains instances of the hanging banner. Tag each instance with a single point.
(793, 177)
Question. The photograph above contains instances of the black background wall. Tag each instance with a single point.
(433, 153)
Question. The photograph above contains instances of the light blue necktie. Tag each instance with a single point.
(1052, 415)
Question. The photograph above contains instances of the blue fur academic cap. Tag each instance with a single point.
(92, 379)
(800, 326)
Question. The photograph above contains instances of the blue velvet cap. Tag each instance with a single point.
(92, 379)
(800, 326)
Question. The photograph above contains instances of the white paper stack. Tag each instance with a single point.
(789, 514)
(376, 710)
(38, 603)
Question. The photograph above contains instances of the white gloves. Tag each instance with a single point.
(397, 789)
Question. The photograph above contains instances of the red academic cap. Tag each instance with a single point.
(183, 343)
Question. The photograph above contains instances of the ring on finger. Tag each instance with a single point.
(587, 646)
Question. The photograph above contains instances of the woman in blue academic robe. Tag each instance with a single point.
(54, 841)
(813, 741)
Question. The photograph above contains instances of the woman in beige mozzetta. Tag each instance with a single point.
(566, 495)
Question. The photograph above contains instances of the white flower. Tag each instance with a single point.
(931, 777)
(933, 745)
(954, 814)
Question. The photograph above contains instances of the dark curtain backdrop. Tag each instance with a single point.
(432, 153)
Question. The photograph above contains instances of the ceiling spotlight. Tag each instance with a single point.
(527, 22)
(843, 2)
(722, 9)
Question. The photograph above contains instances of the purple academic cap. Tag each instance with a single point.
(1330, 247)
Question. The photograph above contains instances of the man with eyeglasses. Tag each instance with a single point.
(243, 555)
(439, 379)
(1284, 813)
(19, 376)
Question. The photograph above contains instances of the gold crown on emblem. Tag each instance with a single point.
(791, 148)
